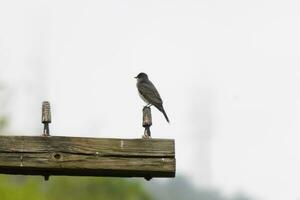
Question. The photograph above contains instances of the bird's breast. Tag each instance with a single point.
(142, 97)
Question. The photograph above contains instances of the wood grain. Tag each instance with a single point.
(55, 155)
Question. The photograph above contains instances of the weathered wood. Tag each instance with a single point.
(147, 118)
(46, 117)
(55, 155)
(147, 121)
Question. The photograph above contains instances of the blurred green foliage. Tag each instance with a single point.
(181, 188)
(3, 122)
(70, 188)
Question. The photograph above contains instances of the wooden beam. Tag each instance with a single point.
(77, 156)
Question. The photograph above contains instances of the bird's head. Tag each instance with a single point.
(141, 76)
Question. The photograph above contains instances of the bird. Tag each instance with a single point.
(149, 93)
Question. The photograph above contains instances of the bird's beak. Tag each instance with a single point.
(135, 77)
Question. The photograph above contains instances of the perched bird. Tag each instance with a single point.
(149, 93)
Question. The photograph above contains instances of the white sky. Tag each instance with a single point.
(228, 72)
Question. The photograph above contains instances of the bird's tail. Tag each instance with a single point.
(161, 109)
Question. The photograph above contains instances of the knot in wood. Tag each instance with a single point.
(57, 156)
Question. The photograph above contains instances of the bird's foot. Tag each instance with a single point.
(147, 106)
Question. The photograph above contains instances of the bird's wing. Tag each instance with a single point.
(149, 92)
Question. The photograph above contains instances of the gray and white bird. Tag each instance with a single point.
(149, 93)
